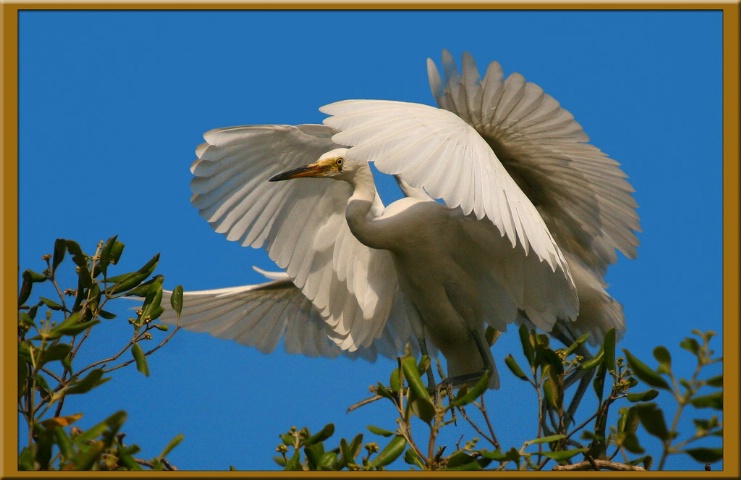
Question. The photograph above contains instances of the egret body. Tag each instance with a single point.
(530, 217)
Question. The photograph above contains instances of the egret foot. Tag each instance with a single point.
(470, 378)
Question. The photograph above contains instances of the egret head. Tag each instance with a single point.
(333, 164)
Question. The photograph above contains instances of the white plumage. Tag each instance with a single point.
(531, 219)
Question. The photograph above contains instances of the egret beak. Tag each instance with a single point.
(317, 169)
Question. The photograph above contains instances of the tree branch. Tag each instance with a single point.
(601, 464)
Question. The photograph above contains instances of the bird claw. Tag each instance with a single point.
(469, 379)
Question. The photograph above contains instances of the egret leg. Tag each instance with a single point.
(418, 329)
(482, 347)
(431, 385)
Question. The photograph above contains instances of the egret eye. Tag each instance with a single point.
(338, 162)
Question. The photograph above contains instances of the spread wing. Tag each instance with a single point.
(582, 194)
(437, 151)
(300, 223)
(260, 315)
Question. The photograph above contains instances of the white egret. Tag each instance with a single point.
(517, 179)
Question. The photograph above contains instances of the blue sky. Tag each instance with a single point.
(113, 104)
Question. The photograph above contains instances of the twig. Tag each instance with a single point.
(129, 362)
(366, 401)
(51, 374)
(681, 403)
(477, 428)
(594, 464)
(152, 464)
(488, 423)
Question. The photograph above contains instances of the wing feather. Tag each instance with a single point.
(378, 130)
(261, 315)
(581, 193)
(231, 190)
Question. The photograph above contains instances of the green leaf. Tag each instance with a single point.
(466, 467)
(459, 458)
(423, 365)
(140, 358)
(176, 300)
(645, 373)
(716, 381)
(50, 303)
(593, 362)
(116, 251)
(714, 401)
(348, 452)
(170, 446)
(691, 345)
(71, 326)
(646, 460)
(152, 303)
(422, 408)
(394, 382)
(24, 292)
(355, 446)
(705, 425)
(599, 381)
(384, 392)
(84, 276)
(321, 436)
(642, 396)
(107, 315)
(474, 393)
(411, 457)
(652, 419)
(114, 422)
(379, 431)
(287, 439)
(547, 439)
(91, 380)
(77, 255)
(390, 453)
(26, 459)
(60, 247)
(510, 361)
(527, 346)
(608, 347)
(85, 459)
(33, 277)
(409, 367)
(575, 345)
(54, 353)
(662, 355)
(105, 256)
(705, 455)
(64, 443)
(628, 420)
(563, 455)
(630, 442)
(551, 393)
(143, 289)
(497, 455)
(42, 384)
(549, 357)
(294, 464)
(491, 335)
(125, 282)
(314, 455)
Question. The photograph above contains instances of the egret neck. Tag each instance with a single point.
(360, 212)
